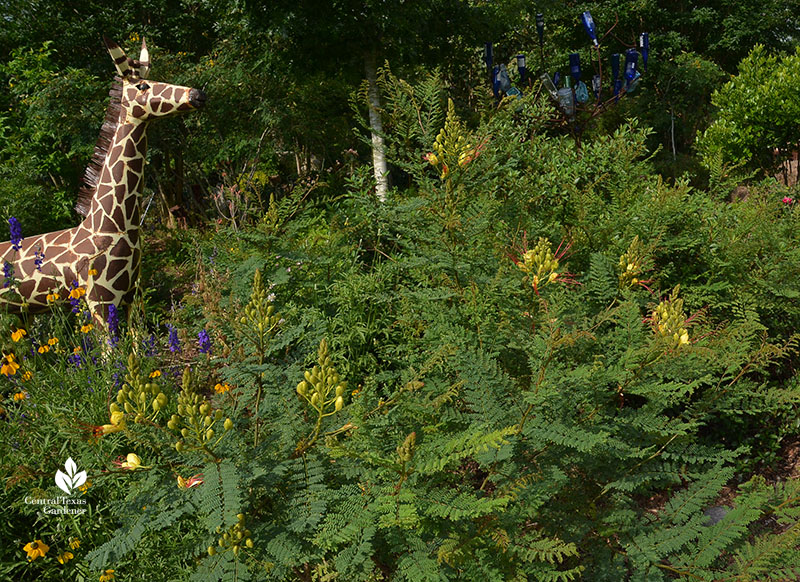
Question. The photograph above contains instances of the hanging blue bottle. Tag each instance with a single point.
(556, 78)
(644, 48)
(496, 81)
(615, 66)
(575, 66)
(522, 69)
(588, 24)
(631, 60)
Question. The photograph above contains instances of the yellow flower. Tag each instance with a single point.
(36, 549)
(87, 328)
(107, 576)
(131, 462)
(43, 349)
(52, 297)
(190, 482)
(92, 272)
(77, 350)
(75, 544)
(222, 388)
(27, 375)
(77, 293)
(18, 334)
(117, 423)
(155, 373)
(20, 396)
(65, 557)
(10, 367)
(83, 489)
(52, 341)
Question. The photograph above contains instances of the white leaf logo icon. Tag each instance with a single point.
(71, 479)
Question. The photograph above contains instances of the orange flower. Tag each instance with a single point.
(222, 388)
(10, 367)
(77, 293)
(18, 334)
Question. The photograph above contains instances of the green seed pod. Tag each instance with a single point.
(185, 432)
(181, 409)
(139, 418)
(211, 550)
(314, 398)
(204, 408)
(162, 399)
(171, 424)
(243, 320)
(249, 542)
(339, 390)
(209, 434)
(308, 377)
(240, 517)
(207, 421)
(221, 542)
(179, 446)
(218, 414)
(302, 387)
(236, 550)
(156, 405)
(339, 403)
(228, 424)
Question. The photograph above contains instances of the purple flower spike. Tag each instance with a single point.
(204, 342)
(16, 233)
(174, 343)
(113, 325)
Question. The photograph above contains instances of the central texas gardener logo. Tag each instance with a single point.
(71, 479)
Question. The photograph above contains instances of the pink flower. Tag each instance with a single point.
(788, 200)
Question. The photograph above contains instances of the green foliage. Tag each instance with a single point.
(544, 363)
(756, 110)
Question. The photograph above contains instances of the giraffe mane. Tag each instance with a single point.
(91, 176)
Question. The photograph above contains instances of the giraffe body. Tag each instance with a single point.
(102, 254)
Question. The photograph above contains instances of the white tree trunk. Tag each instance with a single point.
(379, 165)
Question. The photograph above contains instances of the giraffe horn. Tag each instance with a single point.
(144, 61)
(121, 62)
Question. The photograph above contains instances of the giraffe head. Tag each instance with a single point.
(143, 99)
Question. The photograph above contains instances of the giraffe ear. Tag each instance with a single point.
(118, 55)
(144, 61)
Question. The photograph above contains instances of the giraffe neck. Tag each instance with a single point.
(115, 205)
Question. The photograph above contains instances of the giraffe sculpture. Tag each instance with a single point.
(102, 254)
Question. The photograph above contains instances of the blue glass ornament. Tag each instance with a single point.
(575, 66)
(644, 48)
(488, 56)
(615, 66)
(631, 60)
(581, 92)
(617, 88)
(588, 24)
(522, 69)
(634, 83)
(504, 82)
